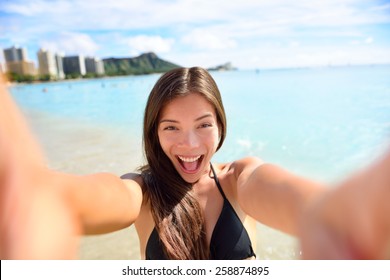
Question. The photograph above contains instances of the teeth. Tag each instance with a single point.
(189, 159)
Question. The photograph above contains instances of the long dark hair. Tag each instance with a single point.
(177, 215)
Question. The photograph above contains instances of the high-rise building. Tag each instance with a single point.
(47, 63)
(74, 65)
(15, 54)
(16, 61)
(94, 65)
(60, 67)
(22, 67)
(100, 67)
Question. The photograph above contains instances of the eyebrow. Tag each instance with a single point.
(197, 119)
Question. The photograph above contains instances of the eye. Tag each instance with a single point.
(205, 125)
(170, 127)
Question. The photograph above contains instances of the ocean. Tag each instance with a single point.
(323, 123)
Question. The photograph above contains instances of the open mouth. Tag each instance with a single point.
(190, 164)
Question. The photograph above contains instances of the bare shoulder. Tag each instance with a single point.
(251, 160)
(245, 165)
(233, 170)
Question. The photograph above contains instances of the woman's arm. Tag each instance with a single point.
(102, 201)
(352, 220)
(35, 221)
(272, 195)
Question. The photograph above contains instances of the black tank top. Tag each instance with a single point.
(229, 240)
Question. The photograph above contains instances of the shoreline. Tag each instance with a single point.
(14, 84)
(256, 70)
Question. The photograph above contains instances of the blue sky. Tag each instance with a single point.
(248, 33)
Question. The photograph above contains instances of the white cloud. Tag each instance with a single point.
(294, 44)
(206, 40)
(144, 43)
(34, 7)
(71, 44)
(123, 14)
(369, 40)
(363, 41)
(254, 33)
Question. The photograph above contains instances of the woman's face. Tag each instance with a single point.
(189, 135)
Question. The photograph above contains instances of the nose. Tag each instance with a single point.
(189, 139)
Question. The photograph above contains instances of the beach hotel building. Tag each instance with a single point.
(60, 66)
(15, 54)
(94, 65)
(74, 65)
(50, 64)
(16, 61)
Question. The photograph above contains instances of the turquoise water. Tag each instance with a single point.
(321, 122)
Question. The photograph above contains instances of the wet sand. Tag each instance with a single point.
(82, 148)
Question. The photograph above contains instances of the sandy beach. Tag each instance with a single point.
(81, 148)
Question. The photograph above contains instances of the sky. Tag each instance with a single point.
(250, 34)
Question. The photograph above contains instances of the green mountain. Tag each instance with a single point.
(223, 67)
(144, 64)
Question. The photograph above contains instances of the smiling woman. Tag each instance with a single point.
(188, 134)
(184, 120)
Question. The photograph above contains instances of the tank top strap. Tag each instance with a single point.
(217, 182)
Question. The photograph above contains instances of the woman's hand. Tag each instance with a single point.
(36, 220)
(352, 220)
